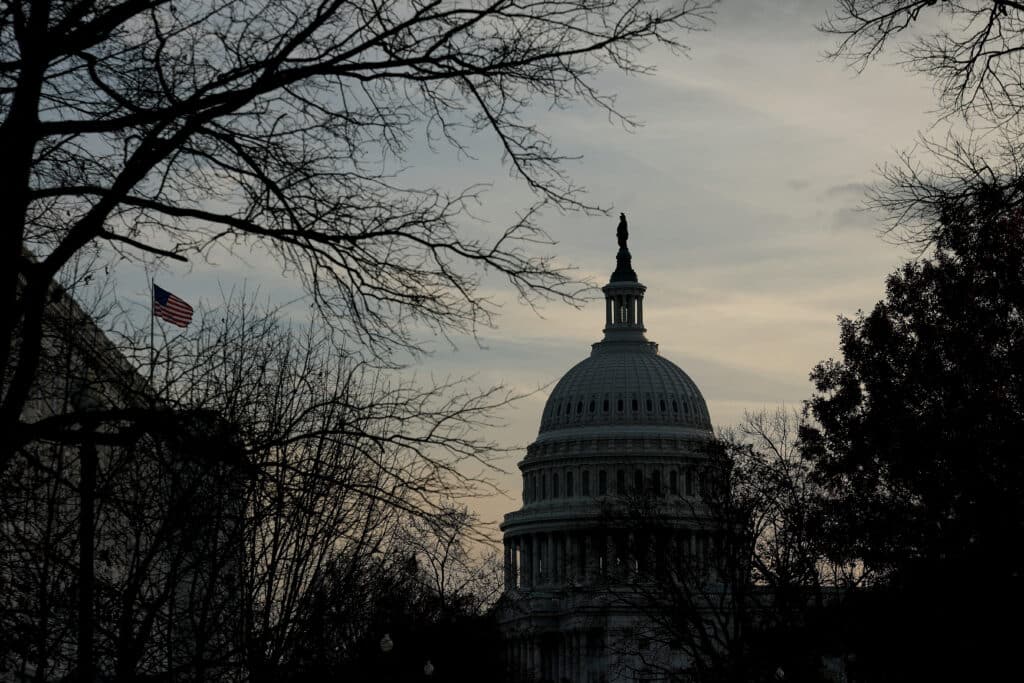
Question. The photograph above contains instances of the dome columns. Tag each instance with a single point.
(624, 311)
(591, 556)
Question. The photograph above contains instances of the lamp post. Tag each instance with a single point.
(388, 664)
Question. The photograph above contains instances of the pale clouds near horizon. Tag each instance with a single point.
(742, 191)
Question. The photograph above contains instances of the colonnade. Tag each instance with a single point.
(534, 560)
(624, 310)
(556, 657)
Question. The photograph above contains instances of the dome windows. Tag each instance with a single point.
(625, 383)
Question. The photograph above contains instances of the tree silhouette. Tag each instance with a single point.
(917, 441)
(162, 130)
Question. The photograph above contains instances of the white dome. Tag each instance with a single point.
(625, 383)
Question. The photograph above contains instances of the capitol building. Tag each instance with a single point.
(623, 425)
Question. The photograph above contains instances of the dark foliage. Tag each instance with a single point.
(918, 443)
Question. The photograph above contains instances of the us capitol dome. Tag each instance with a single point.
(624, 424)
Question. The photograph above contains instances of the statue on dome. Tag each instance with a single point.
(623, 231)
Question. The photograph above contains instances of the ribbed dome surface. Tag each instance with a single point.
(625, 383)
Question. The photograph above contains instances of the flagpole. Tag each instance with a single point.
(152, 318)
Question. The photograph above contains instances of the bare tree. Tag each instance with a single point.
(165, 130)
(970, 49)
(264, 461)
(459, 568)
(343, 454)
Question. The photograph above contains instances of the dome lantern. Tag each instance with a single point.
(624, 295)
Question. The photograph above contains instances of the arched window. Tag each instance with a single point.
(688, 480)
(650, 406)
(602, 482)
(604, 406)
(579, 407)
(586, 482)
(675, 406)
(636, 405)
(620, 405)
(620, 482)
(638, 481)
(554, 484)
(568, 484)
(662, 406)
(673, 482)
(656, 482)
(591, 406)
(543, 486)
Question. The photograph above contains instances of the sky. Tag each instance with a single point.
(742, 190)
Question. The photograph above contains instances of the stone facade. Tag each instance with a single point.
(623, 423)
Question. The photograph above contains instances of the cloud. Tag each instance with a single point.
(847, 189)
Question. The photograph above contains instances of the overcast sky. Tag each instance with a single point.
(741, 190)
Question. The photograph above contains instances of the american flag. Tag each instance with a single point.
(171, 308)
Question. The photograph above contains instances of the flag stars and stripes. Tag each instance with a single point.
(171, 308)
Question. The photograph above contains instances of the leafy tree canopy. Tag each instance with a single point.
(920, 420)
(918, 434)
